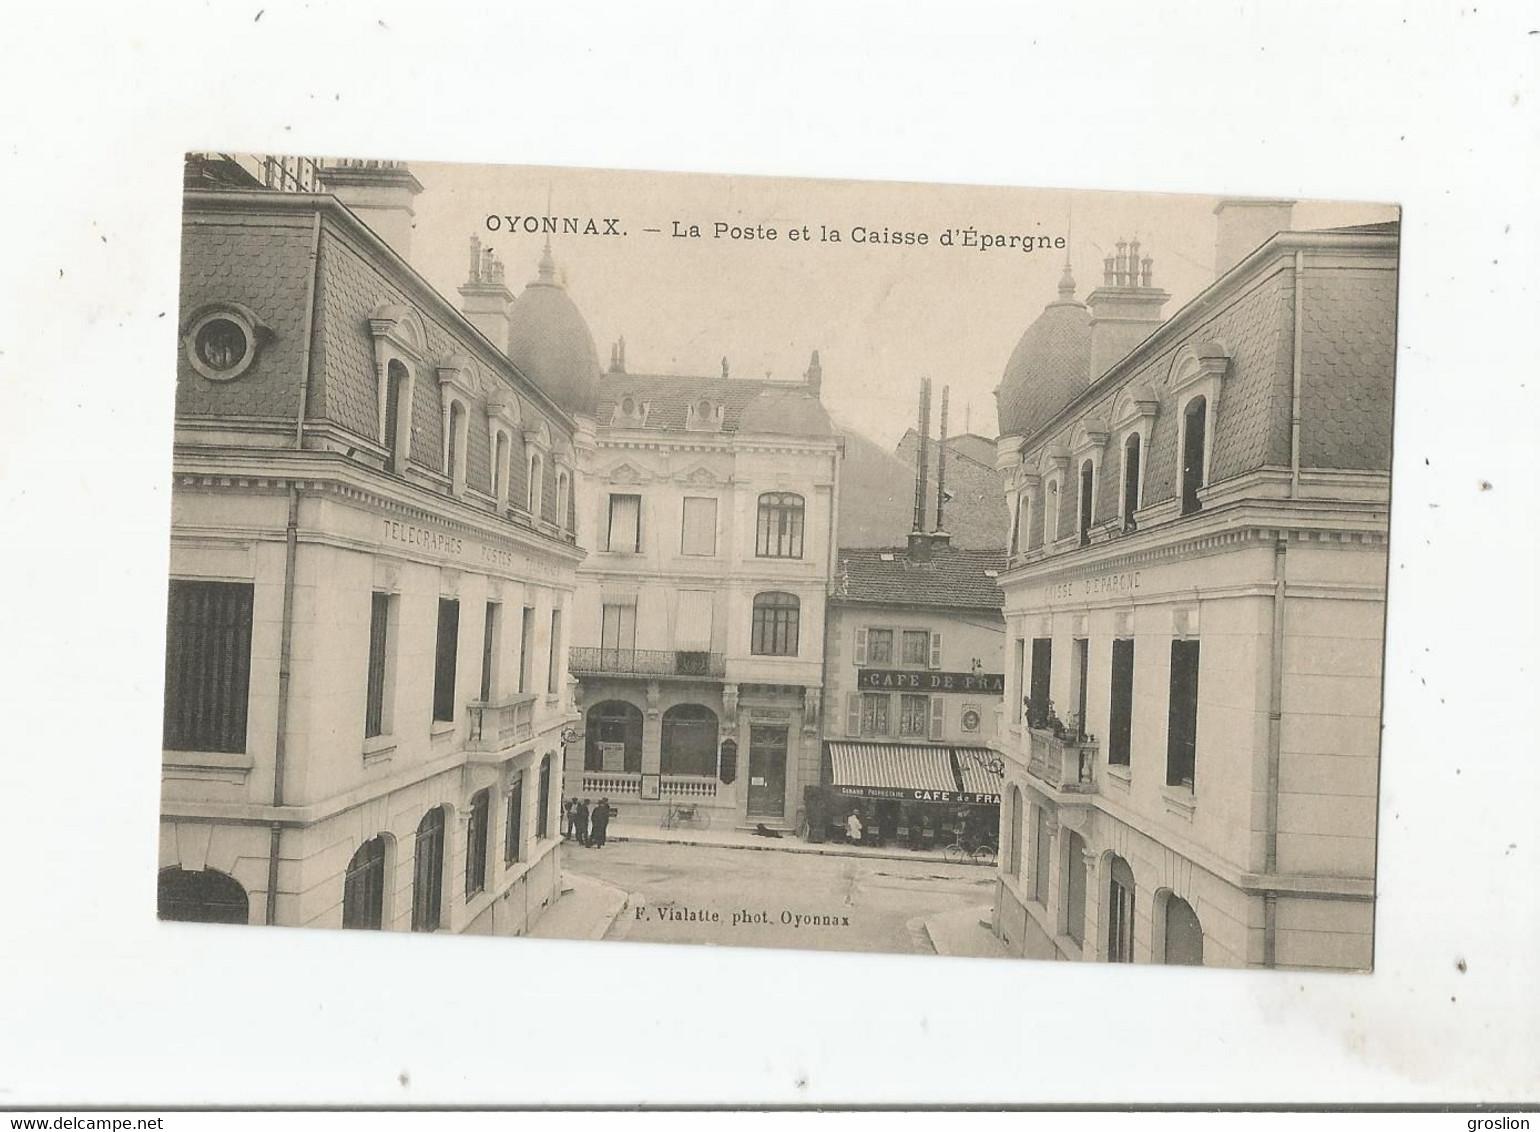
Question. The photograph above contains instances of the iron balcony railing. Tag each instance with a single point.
(647, 662)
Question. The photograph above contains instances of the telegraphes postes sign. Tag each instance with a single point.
(960, 683)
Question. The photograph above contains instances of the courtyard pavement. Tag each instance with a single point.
(786, 843)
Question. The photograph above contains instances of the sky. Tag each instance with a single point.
(881, 315)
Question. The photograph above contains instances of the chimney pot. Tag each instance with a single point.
(380, 194)
(1244, 225)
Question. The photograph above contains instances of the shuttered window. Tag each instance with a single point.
(1182, 725)
(513, 832)
(476, 830)
(699, 526)
(1042, 674)
(625, 533)
(875, 712)
(1121, 716)
(618, 628)
(363, 887)
(553, 668)
(913, 715)
(445, 658)
(916, 648)
(937, 717)
(374, 697)
(428, 872)
(543, 799)
(208, 666)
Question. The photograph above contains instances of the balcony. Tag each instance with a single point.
(650, 663)
(496, 727)
(671, 787)
(1064, 762)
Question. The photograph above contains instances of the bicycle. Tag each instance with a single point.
(678, 815)
(965, 849)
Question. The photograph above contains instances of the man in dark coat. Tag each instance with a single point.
(601, 823)
(580, 822)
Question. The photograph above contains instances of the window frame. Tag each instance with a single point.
(609, 530)
(684, 525)
(780, 525)
(478, 829)
(771, 630)
(185, 726)
(446, 672)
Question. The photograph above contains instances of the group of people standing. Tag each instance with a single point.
(587, 824)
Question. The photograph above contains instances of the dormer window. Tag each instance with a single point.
(454, 447)
(631, 413)
(1194, 452)
(1131, 453)
(222, 340)
(704, 416)
(1087, 500)
(536, 484)
(1197, 376)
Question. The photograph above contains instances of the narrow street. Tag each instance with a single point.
(746, 898)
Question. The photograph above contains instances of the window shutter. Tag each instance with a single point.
(853, 710)
(937, 717)
(935, 650)
(860, 647)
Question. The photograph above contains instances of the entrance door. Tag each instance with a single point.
(767, 772)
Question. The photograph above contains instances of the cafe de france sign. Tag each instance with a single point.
(958, 683)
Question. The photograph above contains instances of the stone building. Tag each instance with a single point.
(1195, 605)
(373, 565)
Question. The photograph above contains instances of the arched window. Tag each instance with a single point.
(562, 487)
(428, 872)
(543, 799)
(1184, 935)
(536, 484)
(454, 448)
(689, 740)
(1120, 912)
(1087, 502)
(203, 897)
(363, 887)
(1017, 813)
(780, 525)
(613, 738)
(1074, 887)
(396, 431)
(1194, 450)
(776, 617)
(500, 470)
(1131, 449)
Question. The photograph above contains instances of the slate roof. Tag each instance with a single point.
(670, 395)
(1050, 365)
(952, 578)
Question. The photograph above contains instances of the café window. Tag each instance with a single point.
(775, 627)
(875, 708)
(879, 646)
(780, 525)
(916, 648)
(913, 715)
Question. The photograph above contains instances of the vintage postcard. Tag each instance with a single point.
(777, 563)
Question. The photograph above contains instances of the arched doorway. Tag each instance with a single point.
(1184, 934)
(428, 872)
(203, 897)
(1120, 912)
(613, 738)
(363, 887)
(689, 740)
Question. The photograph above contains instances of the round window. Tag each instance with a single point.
(628, 407)
(221, 344)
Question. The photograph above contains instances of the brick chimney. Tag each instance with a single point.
(380, 194)
(1125, 309)
(1244, 226)
(484, 298)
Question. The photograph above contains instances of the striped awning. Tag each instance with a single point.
(893, 766)
(976, 779)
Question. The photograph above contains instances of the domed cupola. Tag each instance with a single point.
(549, 340)
(1051, 363)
